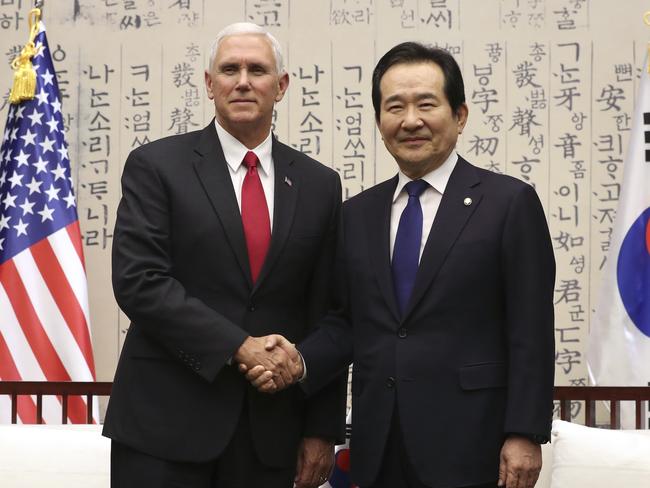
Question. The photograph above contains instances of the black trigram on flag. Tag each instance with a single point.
(646, 135)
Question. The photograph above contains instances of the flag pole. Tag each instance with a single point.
(646, 20)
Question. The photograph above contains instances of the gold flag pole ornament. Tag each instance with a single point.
(24, 87)
(646, 19)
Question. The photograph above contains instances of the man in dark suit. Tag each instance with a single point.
(223, 236)
(446, 276)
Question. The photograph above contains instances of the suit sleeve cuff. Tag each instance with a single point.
(535, 438)
(304, 369)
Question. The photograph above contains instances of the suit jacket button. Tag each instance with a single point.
(401, 333)
(251, 307)
(390, 382)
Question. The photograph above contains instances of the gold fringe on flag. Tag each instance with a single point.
(24, 87)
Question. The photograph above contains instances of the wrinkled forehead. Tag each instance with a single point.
(406, 69)
(412, 77)
(253, 47)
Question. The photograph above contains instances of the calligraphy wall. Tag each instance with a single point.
(550, 86)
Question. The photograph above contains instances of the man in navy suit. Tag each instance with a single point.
(445, 303)
(223, 236)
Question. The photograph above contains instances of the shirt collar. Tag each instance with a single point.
(234, 151)
(437, 178)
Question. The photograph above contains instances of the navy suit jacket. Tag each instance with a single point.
(181, 274)
(472, 359)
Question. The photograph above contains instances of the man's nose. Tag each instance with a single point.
(412, 119)
(243, 82)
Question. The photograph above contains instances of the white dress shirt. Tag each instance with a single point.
(429, 199)
(234, 152)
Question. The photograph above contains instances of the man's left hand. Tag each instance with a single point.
(521, 462)
(264, 380)
(315, 462)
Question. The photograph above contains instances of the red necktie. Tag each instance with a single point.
(255, 216)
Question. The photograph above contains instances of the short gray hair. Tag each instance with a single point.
(242, 28)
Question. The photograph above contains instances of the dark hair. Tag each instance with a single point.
(414, 52)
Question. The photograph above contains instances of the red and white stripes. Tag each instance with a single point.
(44, 328)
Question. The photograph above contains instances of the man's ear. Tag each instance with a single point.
(208, 84)
(283, 84)
(461, 116)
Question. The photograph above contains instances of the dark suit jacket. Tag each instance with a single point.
(181, 274)
(473, 357)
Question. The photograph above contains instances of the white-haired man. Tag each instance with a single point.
(223, 236)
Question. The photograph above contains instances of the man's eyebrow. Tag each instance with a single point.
(228, 64)
(420, 96)
(393, 98)
(258, 64)
(251, 64)
(426, 96)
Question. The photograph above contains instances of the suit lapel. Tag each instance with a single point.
(450, 220)
(377, 225)
(211, 168)
(284, 205)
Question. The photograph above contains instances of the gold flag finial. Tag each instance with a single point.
(24, 87)
(646, 19)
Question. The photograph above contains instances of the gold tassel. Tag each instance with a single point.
(24, 86)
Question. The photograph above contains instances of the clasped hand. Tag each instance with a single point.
(270, 363)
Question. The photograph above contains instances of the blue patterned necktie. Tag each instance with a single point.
(406, 251)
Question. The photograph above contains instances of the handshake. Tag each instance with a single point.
(271, 363)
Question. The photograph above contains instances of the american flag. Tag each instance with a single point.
(44, 320)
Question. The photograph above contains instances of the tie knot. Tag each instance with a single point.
(415, 188)
(250, 160)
